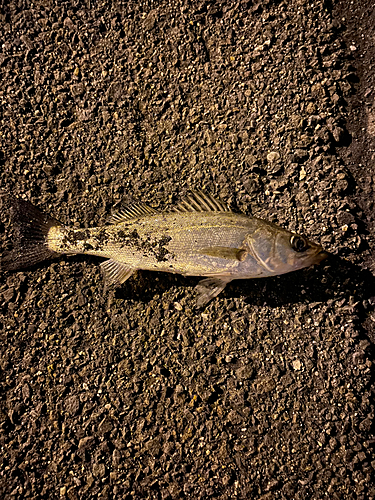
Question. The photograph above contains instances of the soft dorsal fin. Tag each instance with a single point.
(201, 202)
(131, 212)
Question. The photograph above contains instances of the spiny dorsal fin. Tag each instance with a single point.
(115, 272)
(131, 212)
(224, 253)
(201, 202)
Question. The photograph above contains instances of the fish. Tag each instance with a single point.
(200, 236)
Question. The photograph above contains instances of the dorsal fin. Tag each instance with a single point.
(201, 202)
(131, 212)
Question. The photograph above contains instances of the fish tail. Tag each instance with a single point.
(30, 230)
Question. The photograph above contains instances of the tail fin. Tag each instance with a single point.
(30, 230)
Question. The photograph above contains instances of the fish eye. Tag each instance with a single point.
(299, 243)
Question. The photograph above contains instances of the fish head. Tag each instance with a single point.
(280, 251)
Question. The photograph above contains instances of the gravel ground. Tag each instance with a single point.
(134, 393)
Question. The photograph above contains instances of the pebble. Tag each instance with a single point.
(273, 156)
(296, 364)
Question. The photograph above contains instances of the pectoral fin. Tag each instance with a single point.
(115, 272)
(209, 288)
(224, 253)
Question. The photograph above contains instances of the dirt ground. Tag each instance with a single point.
(133, 392)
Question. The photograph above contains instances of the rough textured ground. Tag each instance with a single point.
(134, 393)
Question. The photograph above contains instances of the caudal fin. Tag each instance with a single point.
(30, 230)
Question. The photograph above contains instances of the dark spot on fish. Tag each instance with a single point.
(102, 236)
(165, 239)
(72, 238)
(147, 244)
(81, 235)
(163, 252)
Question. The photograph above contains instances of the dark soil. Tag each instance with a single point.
(134, 392)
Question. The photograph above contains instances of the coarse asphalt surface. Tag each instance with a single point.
(133, 392)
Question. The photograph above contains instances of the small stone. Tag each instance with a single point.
(26, 391)
(273, 156)
(296, 364)
(244, 372)
(68, 23)
(98, 470)
(72, 405)
(8, 295)
(105, 425)
(311, 108)
(338, 134)
(302, 174)
(85, 442)
(300, 154)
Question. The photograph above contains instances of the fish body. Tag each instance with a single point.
(200, 237)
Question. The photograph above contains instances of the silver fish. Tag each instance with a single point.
(199, 237)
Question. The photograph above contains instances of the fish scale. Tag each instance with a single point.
(171, 243)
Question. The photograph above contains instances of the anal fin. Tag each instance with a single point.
(115, 272)
(209, 288)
